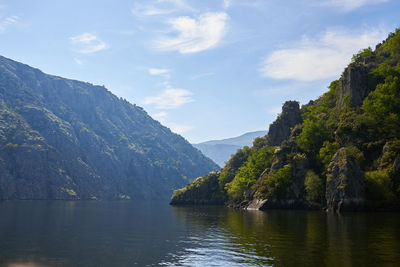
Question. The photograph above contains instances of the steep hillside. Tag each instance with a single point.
(65, 139)
(339, 152)
(221, 150)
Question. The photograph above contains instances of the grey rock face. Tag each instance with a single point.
(345, 184)
(65, 139)
(280, 129)
(356, 84)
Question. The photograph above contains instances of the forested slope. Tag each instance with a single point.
(66, 139)
(340, 152)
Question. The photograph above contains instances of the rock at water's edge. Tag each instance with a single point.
(345, 184)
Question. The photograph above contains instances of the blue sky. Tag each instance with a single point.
(206, 69)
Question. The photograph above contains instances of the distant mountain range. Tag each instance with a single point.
(66, 139)
(221, 150)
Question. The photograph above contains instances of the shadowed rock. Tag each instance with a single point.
(355, 84)
(280, 129)
(345, 184)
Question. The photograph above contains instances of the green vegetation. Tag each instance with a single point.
(327, 151)
(256, 163)
(313, 135)
(365, 53)
(107, 147)
(278, 181)
(360, 113)
(314, 187)
(231, 168)
(378, 186)
(203, 190)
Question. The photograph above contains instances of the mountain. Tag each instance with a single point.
(66, 139)
(221, 150)
(339, 152)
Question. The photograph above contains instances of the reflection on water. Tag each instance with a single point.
(24, 264)
(67, 233)
(287, 238)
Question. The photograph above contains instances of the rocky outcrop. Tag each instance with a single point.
(355, 85)
(345, 184)
(268, 204)
(320, 164)
(66, 139)
(202, 191)
(288, 154)
(293, 196)
(280, 129)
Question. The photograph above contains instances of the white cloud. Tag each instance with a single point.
(87, 43)
(227, 3)
(177, 3)
(195, 34)
(155, 71)
(7, 22)
(274, 110)
(326, 57)
(178, 128)
(159, 7)
(150, 11)
(349, 5)
(170, 98)
(78, 61)
(160, 116)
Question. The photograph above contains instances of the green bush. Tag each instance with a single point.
(260, 142)
(314, 187)
(231, 168)
(392, 149)
(378, 186)
(394, 42)
(327, 152)
(383, 105)
(278, 181)
(312, 136)
(354, 153)
(364, 53)
(248, 174)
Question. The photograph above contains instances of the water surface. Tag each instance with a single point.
(90, 233)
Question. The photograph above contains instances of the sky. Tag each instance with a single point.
(209, 69)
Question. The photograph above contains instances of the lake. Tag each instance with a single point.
(90, 233)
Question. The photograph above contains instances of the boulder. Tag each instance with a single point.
(345, 184)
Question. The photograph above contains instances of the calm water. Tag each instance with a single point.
(40, 233)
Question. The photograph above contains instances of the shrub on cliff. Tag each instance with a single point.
(257, 162)
(278, 181)
(313, 135)
(314, 187)
(232, 166)
(378, 186)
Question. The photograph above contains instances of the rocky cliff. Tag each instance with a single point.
(280, 129)
(66, 139)
(355, 84)
(340, 152)
(345, 183)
